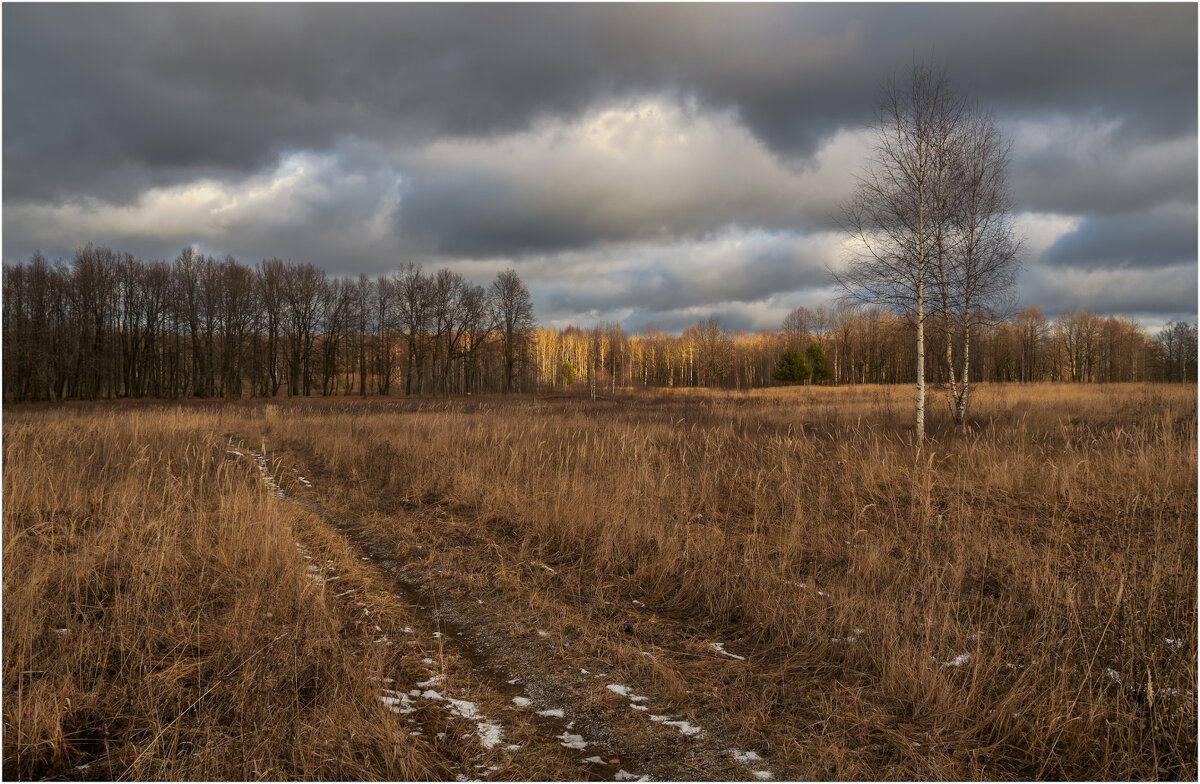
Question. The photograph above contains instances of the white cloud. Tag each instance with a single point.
(653, 167)
(1040, 230)
(308, 207)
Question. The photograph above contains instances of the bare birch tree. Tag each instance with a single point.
(899, 219)
(976, 265)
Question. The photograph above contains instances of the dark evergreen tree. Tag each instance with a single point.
(818, 366)
(792, 369)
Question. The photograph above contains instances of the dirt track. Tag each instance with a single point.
(535, 677)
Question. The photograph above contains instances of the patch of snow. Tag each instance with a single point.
(1174, 642)
(489, 734)
(745, 757)
(684, 727)
(522, 702)
(397, 704)
(62, 631)
(585, 672)
(594, 760)
(762, 775)
(624, 775)
(957, 661)
(852, 637)
(556, 713)
(719, 647)
(434, 681)
(638, 707)
(426, 661)
(468, 710)
(1111, 673)
(624, 692)
(542, 633)
(572, 741)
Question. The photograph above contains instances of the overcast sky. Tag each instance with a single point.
(645, 164)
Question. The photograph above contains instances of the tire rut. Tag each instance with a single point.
(596, 754)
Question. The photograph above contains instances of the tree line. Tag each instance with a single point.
(107, 325)
(863, 345)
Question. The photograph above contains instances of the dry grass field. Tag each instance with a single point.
(681, 585)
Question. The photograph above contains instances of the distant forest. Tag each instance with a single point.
(107, 325)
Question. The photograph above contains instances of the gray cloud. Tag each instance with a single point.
(198, 88)
(615, 155)
(1166, 292)
(1155, 238)
(1094, 164)
(649, 169)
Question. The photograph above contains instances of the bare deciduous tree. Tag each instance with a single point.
(899, 216)
(412, 290)
(976, 262)
(512, 312)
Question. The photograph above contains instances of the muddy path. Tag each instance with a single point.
(558, 685)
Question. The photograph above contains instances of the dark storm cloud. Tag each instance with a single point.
(1094, 164)
(155, 91)
(1157, 238)
(360, 136)
(1164, 292)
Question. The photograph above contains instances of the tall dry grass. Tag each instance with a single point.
(157, 621)
(1026, 586)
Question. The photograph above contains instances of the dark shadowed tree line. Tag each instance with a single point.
(109, 325)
